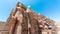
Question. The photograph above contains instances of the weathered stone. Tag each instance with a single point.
(26, 21)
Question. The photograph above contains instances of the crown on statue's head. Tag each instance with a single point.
(19, 4)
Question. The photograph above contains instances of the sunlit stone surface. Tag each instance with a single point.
(24, 20)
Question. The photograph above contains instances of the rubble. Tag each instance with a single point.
(24, 20)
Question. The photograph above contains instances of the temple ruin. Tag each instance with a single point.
(24, 20)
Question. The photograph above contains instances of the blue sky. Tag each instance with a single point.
(49, 8)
